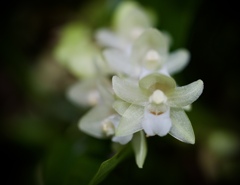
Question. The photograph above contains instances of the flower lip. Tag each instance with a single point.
(157, 109)
(156, 124)
(156, 113)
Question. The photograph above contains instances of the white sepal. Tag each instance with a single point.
(181, 126)
(185, 95)
(128, 90)
(177, 61)
(139, 148)
(130, 121)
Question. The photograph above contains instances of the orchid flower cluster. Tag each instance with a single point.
(141, 98)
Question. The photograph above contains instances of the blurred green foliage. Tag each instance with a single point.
(40, 141)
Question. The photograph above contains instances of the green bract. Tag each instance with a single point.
(155, 105)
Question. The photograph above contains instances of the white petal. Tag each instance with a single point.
(156, 124)
(91, 123)
(144, 72)
(140, 148)
(157, 81)
(188, 107)
(130, 16)
(150, 39)
(185, 95)
(129, 91)
(84, 93)
(177, 61)
(115, 119)
(122, 139)
(181, 126)
(107, 38)
(130, 121)
(163, 71)
(120, 106)
(118, 61)
(104, 87)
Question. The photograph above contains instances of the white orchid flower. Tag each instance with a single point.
(155, 105)
(129, 22)
(149, 53)
(84, 93)
(102, 120)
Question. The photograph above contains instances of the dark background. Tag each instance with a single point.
(39, 139)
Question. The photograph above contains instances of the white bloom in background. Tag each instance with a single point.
(102, 120)
(129, 22)
(84, 93)
(149, 53)
(77, 52)
(155, 105)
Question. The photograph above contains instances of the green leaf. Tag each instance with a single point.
(108, 165)
(128, 91)
(186, 95)
(63, 164)
(140, 148)
(181, 126)
(130, 121)
(157, 81)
